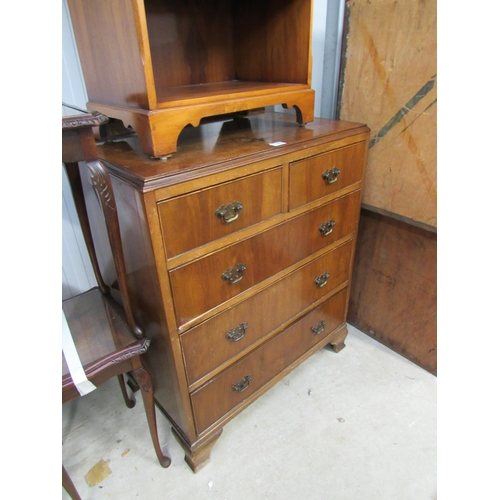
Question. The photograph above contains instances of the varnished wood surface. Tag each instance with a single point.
(159, 130)
(69, 486)
(148, 282)
(222, 145)
(212, 42)
(307, 183)
(263, 313)
(217, 397)
(394, 287)
(97, 329)
(124, 44)
(198, 286)
(191, 42)
(78, 142)
(185, 61)
(285, 252)
(190, 221)
(109, 47)
(273, 40)
(106, 337)
(169, 97)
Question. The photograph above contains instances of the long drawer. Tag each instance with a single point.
(224, 336)
(233, 386)
(203, 284)
(323, 174)
(202, 216)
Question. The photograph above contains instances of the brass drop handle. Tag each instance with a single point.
(319, 328)
(243, 384)
(230, 212)
(326, 228)
(322, 280)
(234, 274)
(331, 175)
(237, 333)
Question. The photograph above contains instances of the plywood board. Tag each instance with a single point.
(389, 81)
(394, 291)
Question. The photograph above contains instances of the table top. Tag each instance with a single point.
(100, 334)
(82, 118)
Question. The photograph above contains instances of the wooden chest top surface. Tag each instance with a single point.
(221, 145)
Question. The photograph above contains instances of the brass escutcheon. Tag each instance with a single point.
(319, 328)
(331, 175)
(234, 274)
(326, 228)
(237, 333)
(322, 280)
(230, 212)
(243, 384)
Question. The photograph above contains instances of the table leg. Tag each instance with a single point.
(144, 380)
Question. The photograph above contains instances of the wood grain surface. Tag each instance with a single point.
(389, 81)
(394, 289)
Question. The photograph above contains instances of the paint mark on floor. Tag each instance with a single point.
(98, 473)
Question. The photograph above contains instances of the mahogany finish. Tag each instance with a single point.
(232, 306)
(160, 65)
(305, 174)
(297, 293)
(264, 255)
(219, 396)
(258, 196)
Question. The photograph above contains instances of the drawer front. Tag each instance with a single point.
(203, 216)
(241, 380)
(201, 285)
(315, 177)
(219, 339)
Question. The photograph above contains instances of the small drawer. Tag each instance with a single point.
(323, 174)
(197, 218)
(241, 380)
(203, 284)
(217, 340)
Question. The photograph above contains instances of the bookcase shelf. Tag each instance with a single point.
(159, 65)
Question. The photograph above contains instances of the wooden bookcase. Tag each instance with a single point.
(160, 65)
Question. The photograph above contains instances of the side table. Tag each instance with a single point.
(102, 328)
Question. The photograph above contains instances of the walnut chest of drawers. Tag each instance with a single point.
(239, 251)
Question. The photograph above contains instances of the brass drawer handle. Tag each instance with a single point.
(243, 384)
(322, 280)
(229, 213)
(237, 333)
(331, 175)
(326, 228)
(319, 328)
(234, 274)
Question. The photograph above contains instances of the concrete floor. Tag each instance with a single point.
(357, 425)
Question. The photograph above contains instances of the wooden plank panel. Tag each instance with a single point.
(390, 82)
(109, 32)
(185, 49)
(272, 40)
(394, 291)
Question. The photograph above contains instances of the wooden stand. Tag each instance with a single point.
(106, 337)
(160, 65)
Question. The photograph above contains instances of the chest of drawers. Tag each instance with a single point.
(239, 253)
